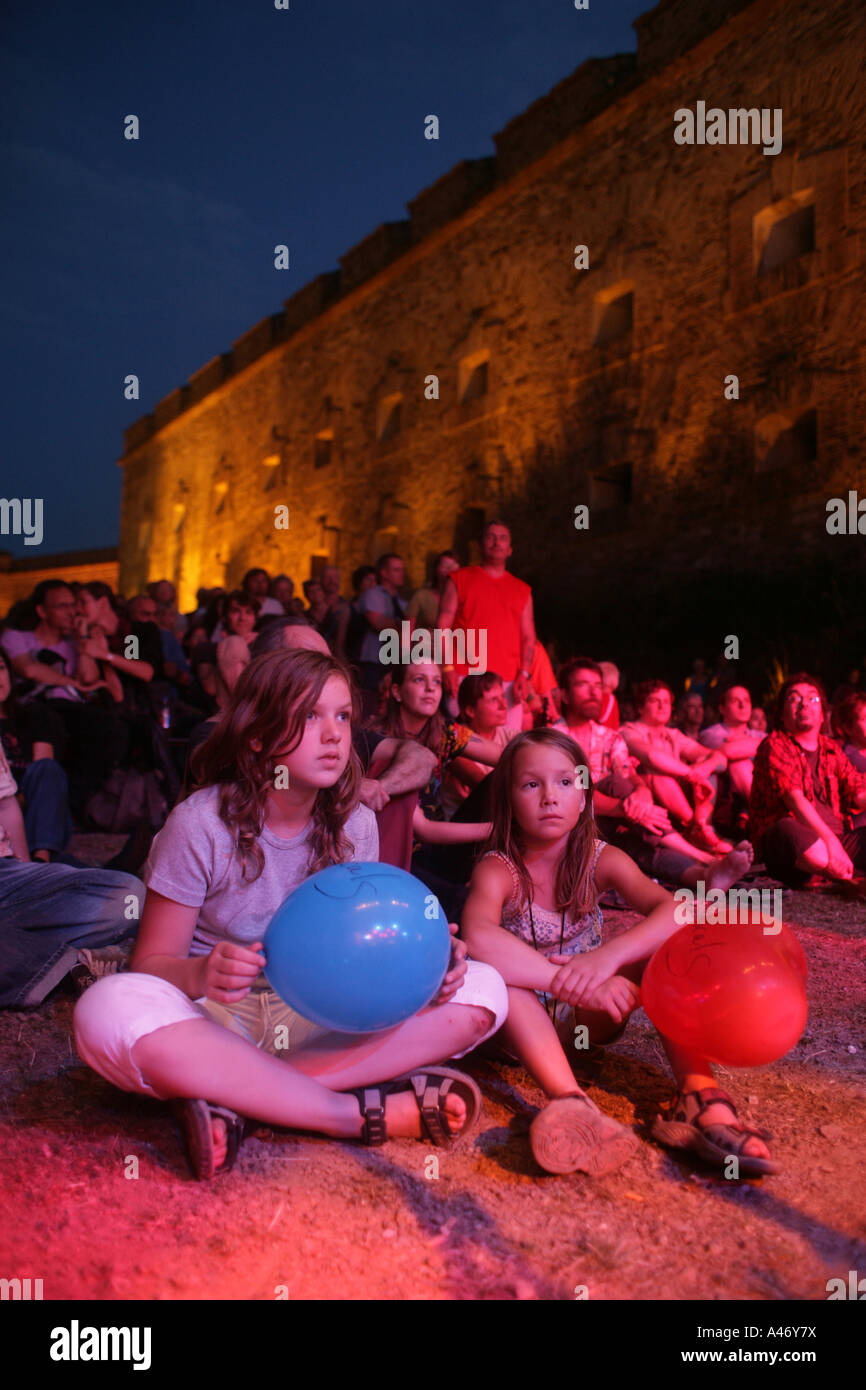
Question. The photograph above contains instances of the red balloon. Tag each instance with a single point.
(792, 952)
(728, 991)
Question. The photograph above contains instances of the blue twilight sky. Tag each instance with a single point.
(258, 126)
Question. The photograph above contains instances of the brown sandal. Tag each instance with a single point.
(193, 1122)
(571, 1134)
(679, 1129)
(431, 1086)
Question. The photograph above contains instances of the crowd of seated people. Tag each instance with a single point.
(93, 687)
(99, 693)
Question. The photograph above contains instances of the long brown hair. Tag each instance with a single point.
(391, 724)
(574, 889)
(270, 704)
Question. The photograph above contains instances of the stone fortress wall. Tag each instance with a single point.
(561, 387)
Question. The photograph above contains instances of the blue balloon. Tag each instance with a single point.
(358, 947)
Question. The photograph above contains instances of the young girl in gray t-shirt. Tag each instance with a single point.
(195, 1018)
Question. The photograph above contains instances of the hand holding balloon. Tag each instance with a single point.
(456, 970)
(227, 974)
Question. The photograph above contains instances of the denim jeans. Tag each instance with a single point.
(49, 911)
(46, 805)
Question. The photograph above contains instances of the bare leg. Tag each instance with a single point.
(814, 859)
(201, 1058)
(565, 1135)
(674, 840)
(721, 873)
(531, 1034)
(668, 793)
(694, 1073)
(741, 774)
(434, 1034)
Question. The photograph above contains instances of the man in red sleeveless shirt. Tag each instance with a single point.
(486, 597)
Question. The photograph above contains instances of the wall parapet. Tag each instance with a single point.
(664, 34)
(258, 340)
(362, 261)
(311, 300)
(674, 27)
(596, 84)
(451, 195)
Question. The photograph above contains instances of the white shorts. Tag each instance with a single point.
(119, 1009)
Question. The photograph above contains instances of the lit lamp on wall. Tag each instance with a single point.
(272, 463)
(275, 463)
(327, 551)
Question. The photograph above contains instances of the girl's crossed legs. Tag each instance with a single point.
(143, 1034)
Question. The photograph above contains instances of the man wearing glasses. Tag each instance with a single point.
(805, 793)
(47, 655)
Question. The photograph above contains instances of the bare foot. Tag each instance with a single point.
(220, 1141)
(725, 872)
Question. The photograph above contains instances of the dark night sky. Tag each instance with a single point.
(258, 127)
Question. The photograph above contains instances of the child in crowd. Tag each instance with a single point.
(195, 1018)
(533, 913)
(483, 708)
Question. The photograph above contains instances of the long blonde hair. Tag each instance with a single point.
(574, 888)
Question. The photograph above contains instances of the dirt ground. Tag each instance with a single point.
(305, 1218)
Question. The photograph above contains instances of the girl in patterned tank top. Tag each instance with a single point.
(533, 913)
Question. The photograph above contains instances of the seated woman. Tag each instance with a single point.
(413, 712)
(29, 734)
(238, 616)
(130, 661)
(675, 767)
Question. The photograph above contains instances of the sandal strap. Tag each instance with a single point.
(430, 1097)
(710, 1095)
(371, 1103)
(713, 1095)
(730, 1137)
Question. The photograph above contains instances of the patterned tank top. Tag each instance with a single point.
(580, 934)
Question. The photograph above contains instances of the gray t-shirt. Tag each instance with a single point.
(18, 643)
(194, 861)
(378, 600)
(717, 734)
